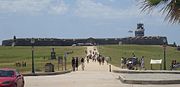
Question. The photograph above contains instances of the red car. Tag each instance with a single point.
(11, 78)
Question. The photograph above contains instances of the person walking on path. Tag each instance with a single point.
(77, 63)
(103, 59)
(73, 63)
(82, 63)
(87, 59)
(107, 59)
(142, 62)
(123, 62)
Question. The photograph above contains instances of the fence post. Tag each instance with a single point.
(109, 68)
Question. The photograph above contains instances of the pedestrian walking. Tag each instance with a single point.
(123, 62)
(73, 63)
(86, 51)
(99, 60)
(103, 60)
(82, 63)
(87, 60)
(77, 63)
(107, 59)
(142, 62)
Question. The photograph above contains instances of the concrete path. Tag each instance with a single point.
(95, 75)
(149, 76)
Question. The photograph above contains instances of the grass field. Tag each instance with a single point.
(10, 55)
(149, 51)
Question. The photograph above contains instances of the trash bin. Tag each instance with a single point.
(49, 67)
(178, 48)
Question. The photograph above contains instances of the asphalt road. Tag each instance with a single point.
(95, 75)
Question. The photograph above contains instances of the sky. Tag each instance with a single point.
(80, 19)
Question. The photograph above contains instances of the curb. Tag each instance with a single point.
(145, 71)
(123, 80)
(46, 73)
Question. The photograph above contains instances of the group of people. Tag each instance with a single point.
(21, 64)
(91, 55)
(75, 63)
(132, 63)
(94, 56)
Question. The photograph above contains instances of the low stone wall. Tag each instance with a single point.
(150, 40)
(46, 73)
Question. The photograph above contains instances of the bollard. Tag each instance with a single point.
(109, 68)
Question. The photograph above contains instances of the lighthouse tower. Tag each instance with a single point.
(140, 30)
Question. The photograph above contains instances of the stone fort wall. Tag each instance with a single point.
(141, 40)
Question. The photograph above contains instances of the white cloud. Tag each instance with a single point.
(91, 8)
(32, 6)
(60, 8)
(85, 8)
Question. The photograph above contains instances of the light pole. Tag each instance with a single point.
(164, 49)
(32, 43)
(14, 41)
(65, 56)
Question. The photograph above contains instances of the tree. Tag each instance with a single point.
(169, 7)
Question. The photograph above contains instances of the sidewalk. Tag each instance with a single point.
(146, 71)
(148, 76)
(137, 76)
(96, 75)
(94, 66)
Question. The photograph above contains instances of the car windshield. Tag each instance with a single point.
(6, 73)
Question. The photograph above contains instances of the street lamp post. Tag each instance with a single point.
(164, 50)
(32, 43)
(65, 56)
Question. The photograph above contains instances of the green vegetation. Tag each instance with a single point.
(11, 55)
(168, 7)
(116, 52)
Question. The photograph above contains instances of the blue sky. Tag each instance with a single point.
(80, 19)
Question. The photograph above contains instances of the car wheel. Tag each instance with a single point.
(15, 85)
(22, 84)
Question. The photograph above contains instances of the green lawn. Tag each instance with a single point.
(149, 51)
(10, 55)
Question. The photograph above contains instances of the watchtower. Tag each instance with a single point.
(140, 30)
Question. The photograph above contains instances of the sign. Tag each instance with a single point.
(53, 54)
(156, 61)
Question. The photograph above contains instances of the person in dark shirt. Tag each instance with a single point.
(77, 63)
(73, 63)
(82, 63)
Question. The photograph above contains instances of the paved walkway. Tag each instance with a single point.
(95, 75)
(149, 76)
